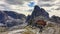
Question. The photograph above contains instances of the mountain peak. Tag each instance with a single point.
(36, 7)
(39, 12)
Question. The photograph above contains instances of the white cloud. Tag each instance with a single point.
(16, 2)
(51, 6)
(4, 5)
(19, 6)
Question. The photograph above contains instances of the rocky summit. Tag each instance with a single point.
(39, 12)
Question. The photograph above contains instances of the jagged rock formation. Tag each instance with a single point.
(14, 15)
(39, 12)
(10, 18)
(55, 19)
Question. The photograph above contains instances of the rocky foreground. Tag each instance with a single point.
(51, 28)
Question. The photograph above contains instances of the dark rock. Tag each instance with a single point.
(14, 15)
(11, 13)
(11, 18)
(2, 17)
(39, 12)
(20, 16)
(28, 18)
(55, 19)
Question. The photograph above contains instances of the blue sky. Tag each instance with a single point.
(31, 4)
(26, 6)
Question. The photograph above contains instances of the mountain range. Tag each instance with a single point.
(11, 18)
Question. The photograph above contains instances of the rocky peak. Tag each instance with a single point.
(39, 12)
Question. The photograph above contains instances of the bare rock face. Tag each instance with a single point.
(39, 12)
(55, 19)
(51, 28)
(11, 18)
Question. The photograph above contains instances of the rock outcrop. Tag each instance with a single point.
(11, 18)
(39, 12)
(55, 19)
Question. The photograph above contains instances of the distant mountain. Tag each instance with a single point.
(11, 18)
(39, 12)
(55, 19)
(14, 15)
(11, 13)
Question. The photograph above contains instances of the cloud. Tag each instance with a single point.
(51, 6)
(19, 6)
(16, 2)
(57, 8)
(4, 7)
(46, 0)
(46, 5)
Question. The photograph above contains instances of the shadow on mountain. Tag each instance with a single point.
(11, 18)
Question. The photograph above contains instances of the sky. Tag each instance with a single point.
(26, 6)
